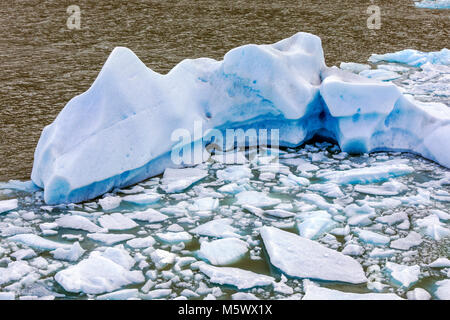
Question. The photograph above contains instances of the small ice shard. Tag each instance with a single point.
(293, 181)
(110, 239)
(418, 294)
(442, 291)
(69, 254)
(373, 237)
(256, 199)
(116, 221)
(366, 175)
(8, 205)
(331, 190)
(143, 199)
(303, 258)
(109, 203)
(243, 296)
(312, 225)
(162, 258)
(78, 222)
(414, 58)
(380, 74)
(96, 275)
(178, 180)
(204, 204)
(353, 250)
(37, 242)
(354, 67)
(378, 253)
(234, 173)
(413, 239)
(140, 243)
(223, 252)
(391, 188)
(393, 219)
(440, 263)
(279, 213)
(174, 237)
(120, 295)
(233, 188)
(149, 215)
(404, 276)
(317, 293)
(218, 228)
(239, 278)
(433, 228)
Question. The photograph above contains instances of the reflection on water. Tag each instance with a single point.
(44, 64)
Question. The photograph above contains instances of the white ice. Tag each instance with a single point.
(223, 252)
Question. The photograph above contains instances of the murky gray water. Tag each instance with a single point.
(44, 64)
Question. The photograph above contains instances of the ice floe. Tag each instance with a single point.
(223, 252)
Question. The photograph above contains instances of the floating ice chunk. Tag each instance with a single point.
(385, 203)
(418, 294)
(116, 221)
(353, 250)
(23, 254)
(292, 180)
(444, 216)
(312, 225)
(233, 188)
(303, 258)
(373, 237)
(205, 204)
(394, 68)
(393, 219)
(120, 256)
(331, 190)
(157, 294)
(405, 276)
(109, 203)
(96, 275)
(414, 58)
(443, 290)
(69, 254)
(139, 243)
(120, 295)
(380, 74)
(223, 252)
(433, 4)
(390, 188)
(143, 199)
(15, 271)
(378, 253)
(318, 201)
(233, 157)
(433, 228)
(317, 293)
(366, 175)
(178, 180)
(256, 199)
(110, 239)
(279, 213)
(8, 205)
(243, 296)
(78, 222)
(162, 258)
(354, 67)
(234, 173)
(174, 237)
(13, 230)
(219, 228)
(413, 239)
(242, 279)
(36, 242)
(440, 263)
(149, 215)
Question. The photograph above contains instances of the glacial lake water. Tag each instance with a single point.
(44, 64)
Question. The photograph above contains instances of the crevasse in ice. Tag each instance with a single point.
(119, 132)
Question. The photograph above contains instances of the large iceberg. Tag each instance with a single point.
(121, 130)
